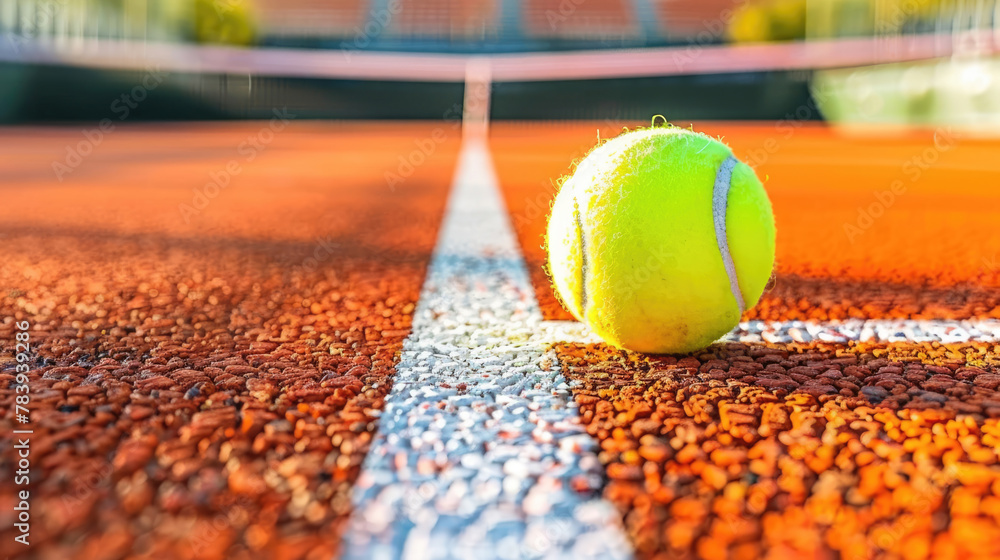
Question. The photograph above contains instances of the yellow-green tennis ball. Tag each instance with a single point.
(660, 240)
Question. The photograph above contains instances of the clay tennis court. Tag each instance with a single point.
(207, 384)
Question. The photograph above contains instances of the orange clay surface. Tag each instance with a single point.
(205, 387)
(808, 450)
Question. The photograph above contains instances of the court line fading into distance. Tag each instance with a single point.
(479, 452)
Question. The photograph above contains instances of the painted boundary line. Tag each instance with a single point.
(878, 331)
(516, 67)
(868, 330)
(479, 453)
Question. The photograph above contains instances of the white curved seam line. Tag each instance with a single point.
(720, 205)
(582, 238)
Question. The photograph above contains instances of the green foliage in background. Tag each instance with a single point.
(873, 18)
(769, 20)
(759, 21)
(226, 22)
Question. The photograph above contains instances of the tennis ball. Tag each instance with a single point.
(660, 240)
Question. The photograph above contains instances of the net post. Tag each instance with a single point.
(476, 105)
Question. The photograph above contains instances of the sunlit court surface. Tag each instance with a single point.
(275, 283)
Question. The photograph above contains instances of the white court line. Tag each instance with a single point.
(868, 330)
(479, 445)
(879, 331)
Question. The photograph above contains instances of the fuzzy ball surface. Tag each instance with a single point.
(660, 240)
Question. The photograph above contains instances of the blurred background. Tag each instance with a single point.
(919, 62)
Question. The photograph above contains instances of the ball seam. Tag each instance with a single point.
(720, 207)
(581, 238)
